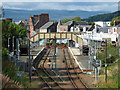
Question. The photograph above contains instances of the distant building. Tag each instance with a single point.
(81, 26)
(64, 27)
(110, 30)
(102, 23)
(73, 26)
(23, 23)
(38, 21)
(49, 27)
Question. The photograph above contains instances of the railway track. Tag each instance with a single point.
(47, 72)
(37, 71)
(53, 72)
(79, 78)
(69, 75)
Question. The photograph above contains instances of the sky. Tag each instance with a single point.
(87, 5)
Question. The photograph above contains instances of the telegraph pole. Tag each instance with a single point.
(106, 61)
(89, 52)
(30, 74)
(95, 67)
(55, 52)
(18, 49)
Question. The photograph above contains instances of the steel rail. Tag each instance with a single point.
(38, 71)
(71, 61)
(69, 75)
(46, 72)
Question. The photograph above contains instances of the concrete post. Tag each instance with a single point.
(95, 74)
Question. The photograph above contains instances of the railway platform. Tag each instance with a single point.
(82, 61)
(33, 52)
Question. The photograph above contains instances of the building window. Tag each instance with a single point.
(64, 29)
(114, 30)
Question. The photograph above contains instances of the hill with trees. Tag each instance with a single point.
(74, 19)
(116, 18)
(103, 17)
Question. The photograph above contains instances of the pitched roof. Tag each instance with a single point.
(34, 20)
(59, 23)
(103, 29)
(68, 23)
(81, 23)
(47, 25)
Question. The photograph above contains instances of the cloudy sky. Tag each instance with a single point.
(87, 5)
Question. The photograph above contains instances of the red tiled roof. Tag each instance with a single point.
(44, 14)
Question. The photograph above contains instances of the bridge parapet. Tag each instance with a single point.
(58, 35)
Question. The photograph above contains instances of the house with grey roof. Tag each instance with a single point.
(81, 23)
(81, 26)
(104, 30)
(74, 26)
(49, 27)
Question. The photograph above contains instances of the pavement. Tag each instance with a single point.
(82, 61)
(34, 52)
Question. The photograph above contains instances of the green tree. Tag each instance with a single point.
(65, 20)
(91, 23)
(10, 30)
(116, 18)
(76, 19)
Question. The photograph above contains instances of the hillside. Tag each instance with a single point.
(53, 14)
(103, 17)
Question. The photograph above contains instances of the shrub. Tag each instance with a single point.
(58, 43)
(61, 44)
(5, 52)
(47, 43)
(66, 44)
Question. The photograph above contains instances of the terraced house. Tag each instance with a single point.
(37, 21)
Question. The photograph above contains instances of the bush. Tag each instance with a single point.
(58, 44)
(66, 44)
(61, 44)
(11, 72)
(5, 52)
(47, 43)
